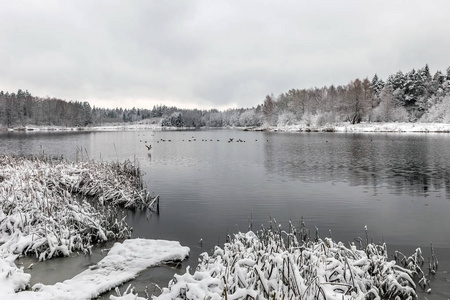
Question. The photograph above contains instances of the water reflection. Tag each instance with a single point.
(403, 163)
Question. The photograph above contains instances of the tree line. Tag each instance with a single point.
(403, 97)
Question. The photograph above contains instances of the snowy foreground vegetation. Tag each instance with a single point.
(42, 211)
(275, 264)
(45, 213)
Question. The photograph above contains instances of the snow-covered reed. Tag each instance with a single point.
(275, 264)
(44, 210)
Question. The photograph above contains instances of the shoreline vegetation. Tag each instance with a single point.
(276, 264)
(344, 127)
(57, 208)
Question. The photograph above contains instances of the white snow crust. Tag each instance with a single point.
(368, 127)
(123, 263)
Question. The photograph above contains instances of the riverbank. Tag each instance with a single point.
(339, 127)
(365, 127)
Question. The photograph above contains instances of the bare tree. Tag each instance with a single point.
(355, 105)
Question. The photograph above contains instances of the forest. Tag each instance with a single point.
(415, 96)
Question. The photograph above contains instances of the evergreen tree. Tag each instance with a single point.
(377, 85)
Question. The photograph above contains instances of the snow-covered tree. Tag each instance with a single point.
(440, 112)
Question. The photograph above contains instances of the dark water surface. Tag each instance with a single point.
(397, 184)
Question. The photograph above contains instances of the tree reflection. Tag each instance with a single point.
(416, 165)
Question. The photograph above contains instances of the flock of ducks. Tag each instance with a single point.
(193, 139)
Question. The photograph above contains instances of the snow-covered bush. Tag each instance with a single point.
(440, 112)
(275, 264)
(44, 212)
(387, 113)
(285, 119)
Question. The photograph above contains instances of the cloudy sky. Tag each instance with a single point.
(211, 54)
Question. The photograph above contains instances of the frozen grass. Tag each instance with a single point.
(45, 211)
(43, 214)
(275, 264)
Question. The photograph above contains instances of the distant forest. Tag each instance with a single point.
(416, 96)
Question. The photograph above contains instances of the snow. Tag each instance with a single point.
(123, 263)
(368, 127)
(11, 278)
(338, 127)
(273, 264)
(41, 214)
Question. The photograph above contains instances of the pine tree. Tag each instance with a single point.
(377, 85)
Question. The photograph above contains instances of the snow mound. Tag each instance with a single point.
(123, 263)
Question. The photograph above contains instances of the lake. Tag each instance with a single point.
(396, 184)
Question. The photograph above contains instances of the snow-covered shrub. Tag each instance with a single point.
(400, 114)
(250, 118)
(285, 119)
(323, 119)
(275, 264)
(42, 213)
(439, 113)
(386, 113)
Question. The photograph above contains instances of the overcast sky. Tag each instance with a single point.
(211, 54)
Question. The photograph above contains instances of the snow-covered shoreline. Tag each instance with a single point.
(340, 127)
(45, 212)
(366, 127)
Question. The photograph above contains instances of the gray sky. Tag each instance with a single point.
(211, 54)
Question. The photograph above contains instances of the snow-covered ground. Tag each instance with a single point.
(367, 127)
(123, 263)
(341, 127)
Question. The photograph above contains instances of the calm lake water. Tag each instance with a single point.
(396, 184)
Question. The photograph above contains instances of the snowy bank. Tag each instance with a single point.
(108, 127)
(123, 263)
(363, 127)
(301, 127)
